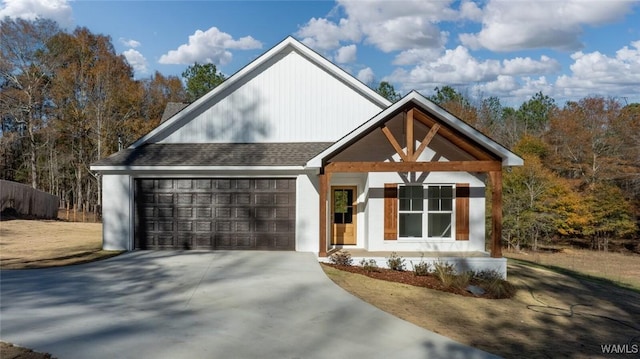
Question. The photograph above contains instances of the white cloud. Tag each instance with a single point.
(526, 65)
(136, 60)
(470, 10)
(58, 10)
(388, 25)
(346, 54)
(211, 46)
(597, 72)
(514, 25)
(414, 56)
(324, 35)
(130, 43)
(366, 75)
(459, 68)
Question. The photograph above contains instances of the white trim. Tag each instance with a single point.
(508, 158)
(289, 42)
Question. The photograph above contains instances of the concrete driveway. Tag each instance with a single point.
(159, 304)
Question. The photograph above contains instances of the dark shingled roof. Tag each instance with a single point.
(216, 154)
(171, 109)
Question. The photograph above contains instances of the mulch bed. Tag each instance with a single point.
(406, 277)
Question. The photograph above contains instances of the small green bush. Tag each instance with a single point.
(422, 268)
(341, 258)
(395, 262)
(369, 265)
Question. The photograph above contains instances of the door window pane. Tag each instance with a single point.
(342, 206)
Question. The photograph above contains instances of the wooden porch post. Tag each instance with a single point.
(324, 183)
(496, 213)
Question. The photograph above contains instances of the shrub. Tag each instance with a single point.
(369, 265)
(462, 280)
(341, 258)
(496, 287)
(445, 272)
(395, 262)
(422, 268)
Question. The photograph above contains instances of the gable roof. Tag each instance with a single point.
(414, 98)
(288, 44)
(211, 155)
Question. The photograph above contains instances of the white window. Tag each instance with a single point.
(438, 221)
(440, 211)
(411, 200)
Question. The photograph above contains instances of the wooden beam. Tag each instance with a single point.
(425, 142)
(453, 166)
(394, 143)
(410, 140)
(496, 213)
(324, 188)
(454, 138)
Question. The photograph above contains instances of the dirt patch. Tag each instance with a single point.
(39, 244)
(551, 315)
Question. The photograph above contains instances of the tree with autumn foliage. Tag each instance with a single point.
(25, 78)
(538, 203)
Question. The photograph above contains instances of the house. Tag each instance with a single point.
(293, 153)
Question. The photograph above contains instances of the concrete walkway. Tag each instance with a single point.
(160, 304)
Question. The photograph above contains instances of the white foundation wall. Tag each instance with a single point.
(375, 213)
(117, 221)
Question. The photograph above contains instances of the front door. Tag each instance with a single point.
(343, 214)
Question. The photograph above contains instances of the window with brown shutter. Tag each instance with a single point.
(462, 211)
(390, 211)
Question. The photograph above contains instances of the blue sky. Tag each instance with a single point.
(509, 49)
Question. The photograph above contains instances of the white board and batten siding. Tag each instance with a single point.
(289, 100)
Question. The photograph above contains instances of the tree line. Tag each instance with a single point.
(67, 99)
(581, 173)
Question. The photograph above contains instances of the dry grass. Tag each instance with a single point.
(552, 315)
(38, 244)
(617, 267)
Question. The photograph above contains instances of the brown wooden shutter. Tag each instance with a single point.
(390, 211)
(462, 211)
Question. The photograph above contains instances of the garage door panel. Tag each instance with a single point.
(223, 212)
(164, 184)
(204, 227)
(204, 198)
(164, 212)
(223, 198)
(203, 212)
(217, 213)
(204, 184)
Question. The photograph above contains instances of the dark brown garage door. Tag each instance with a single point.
(215, 213)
